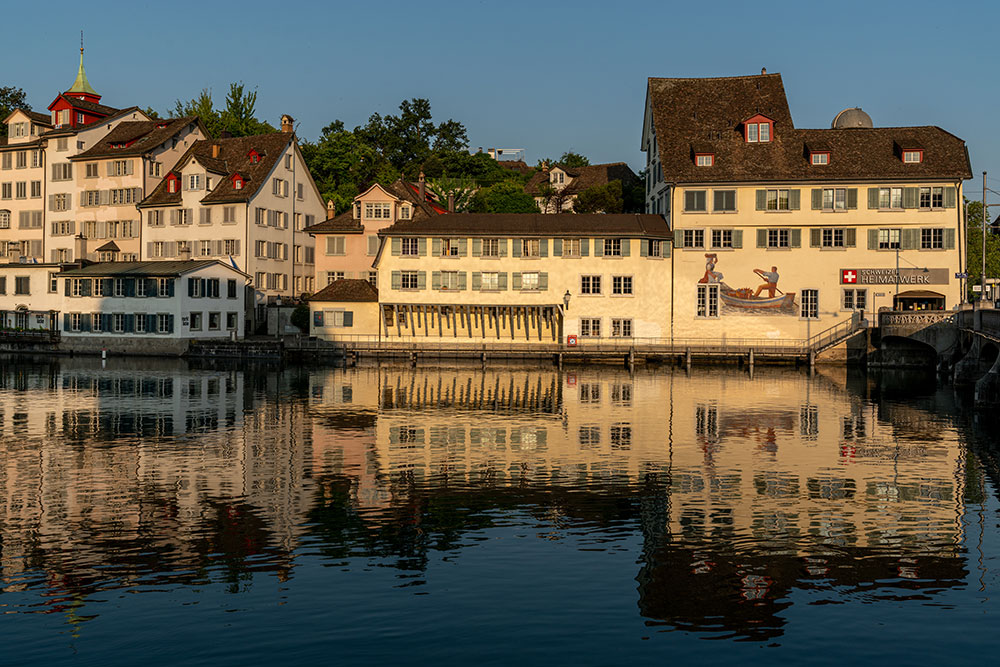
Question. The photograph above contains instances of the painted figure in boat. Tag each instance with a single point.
(767, 298)
(771, 284)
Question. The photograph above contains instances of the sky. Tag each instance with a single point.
(547, 77)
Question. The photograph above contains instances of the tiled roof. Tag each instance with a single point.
(689, 111)
(153, 268)
(69, 130)
(586, 177)
(345, 223)
(233, 158)
(347, 290)
(533, 224)
(93, 107)
(139, 137)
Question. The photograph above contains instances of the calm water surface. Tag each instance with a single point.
(172, 514)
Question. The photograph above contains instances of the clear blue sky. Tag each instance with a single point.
(546, 76)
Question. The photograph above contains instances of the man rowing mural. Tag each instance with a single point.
(746, 299)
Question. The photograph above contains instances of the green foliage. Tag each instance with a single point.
(462, 189)
(505, 197)
(238, 117)
(10, 98)
(601, 199)
(634, 195)
(300, 318)
(151, 112)
(975, 248)
(571, 159)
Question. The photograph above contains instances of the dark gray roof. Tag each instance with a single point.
(534, 224)
(152, 268)
(347, 290)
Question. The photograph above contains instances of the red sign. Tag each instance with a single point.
(571, 340)
(848, 276)
(571, 380)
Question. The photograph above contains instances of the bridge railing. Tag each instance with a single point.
(990, 322)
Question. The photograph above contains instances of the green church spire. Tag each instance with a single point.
(81, 85)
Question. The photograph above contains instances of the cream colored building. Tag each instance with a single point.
(342, 308)
(117, 173)
(782, 232)
(243, 200)
(22, 186)
(524, 278)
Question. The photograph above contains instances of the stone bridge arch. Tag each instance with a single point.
(916, 338)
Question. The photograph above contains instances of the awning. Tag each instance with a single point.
(919, 294)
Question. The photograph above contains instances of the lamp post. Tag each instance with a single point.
(566, 298)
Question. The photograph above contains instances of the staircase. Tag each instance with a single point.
(836, 334)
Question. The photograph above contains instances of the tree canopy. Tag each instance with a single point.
(238, 117)
(974, 245)
(10, 98)
(505, 197)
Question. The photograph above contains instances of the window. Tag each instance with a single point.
(36, 189)
(164, 286)
(655, 248)
(5, 219)
(778, 238)
(777, 200)
(913, 157)
(335, 245)
(409, 247)
(491, 247)
(621, 328)
(571, 248)
(888, 239)
(22, 285)
(621, 436)
(80, 287)
(450, 280)
(722, 238)
(300, 191)
(232, 320)
(890, 198)
(204, 216)
(92, 170)
(163, 323)
(694, 200)
(621, 285)
(53, 283)
(810, 304)
(931, 198)
(530, 248)
(99, 288)
(707, 301)
(758, 132)
(590, 435)
(118, 323)
(21, 190)
(5, 191)
(449, 247)
(140, 322)
(378, 211)
(612, 247)
(932, 239)
(832, 238)
(855, 299)
(404, 212)
(704, 160)
(228, 214)
(530, 281)
(96, 324)
(119, 287)
(724, 201)
(590, 327)
(408, 280)
(22, 159)
(820, 158)
(490, 280)
(237, 183)
(332, 276)
(693, 238)
(590, 284)
(835, 199)
(75, 322)
(62, 171)
(195, 321)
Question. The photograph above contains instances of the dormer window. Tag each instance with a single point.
(819, 158)
(758, 130)
(913, 157)
(404, 212)
(237, 183)
(254, 157)
(557, 177)
(172, 183)
(357, 211)
(704, 159)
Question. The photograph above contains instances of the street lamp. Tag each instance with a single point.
(566, 298)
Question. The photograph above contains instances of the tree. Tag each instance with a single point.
(571, 159)
(601, 199)
(11, 98)
(202, 107)
(238, 118)
(462, 189)
(974, 246)
(151, 112)
(300, 318)
(505, 197)
(554, 200)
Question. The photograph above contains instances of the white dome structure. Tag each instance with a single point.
(850, 118)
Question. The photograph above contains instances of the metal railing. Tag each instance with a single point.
(29, 334)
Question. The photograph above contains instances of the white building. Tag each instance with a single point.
(244, 200)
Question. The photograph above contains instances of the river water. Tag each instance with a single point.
(169, 513)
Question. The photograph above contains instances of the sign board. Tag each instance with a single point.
(961, 276)
(571, 380)
(977, 288)
(571, 340)
(907, 276)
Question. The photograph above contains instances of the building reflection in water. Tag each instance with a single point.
(744, 490)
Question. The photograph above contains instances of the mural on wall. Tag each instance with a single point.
(766, 298)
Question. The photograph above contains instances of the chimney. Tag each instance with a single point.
(183, 252)
(423, 187)
(80, 247)
(331, 209)
(287, 123)
(215, 151)
(763, 71)
(451, 202)
(545, 165)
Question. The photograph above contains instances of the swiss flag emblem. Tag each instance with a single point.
(848, 276)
